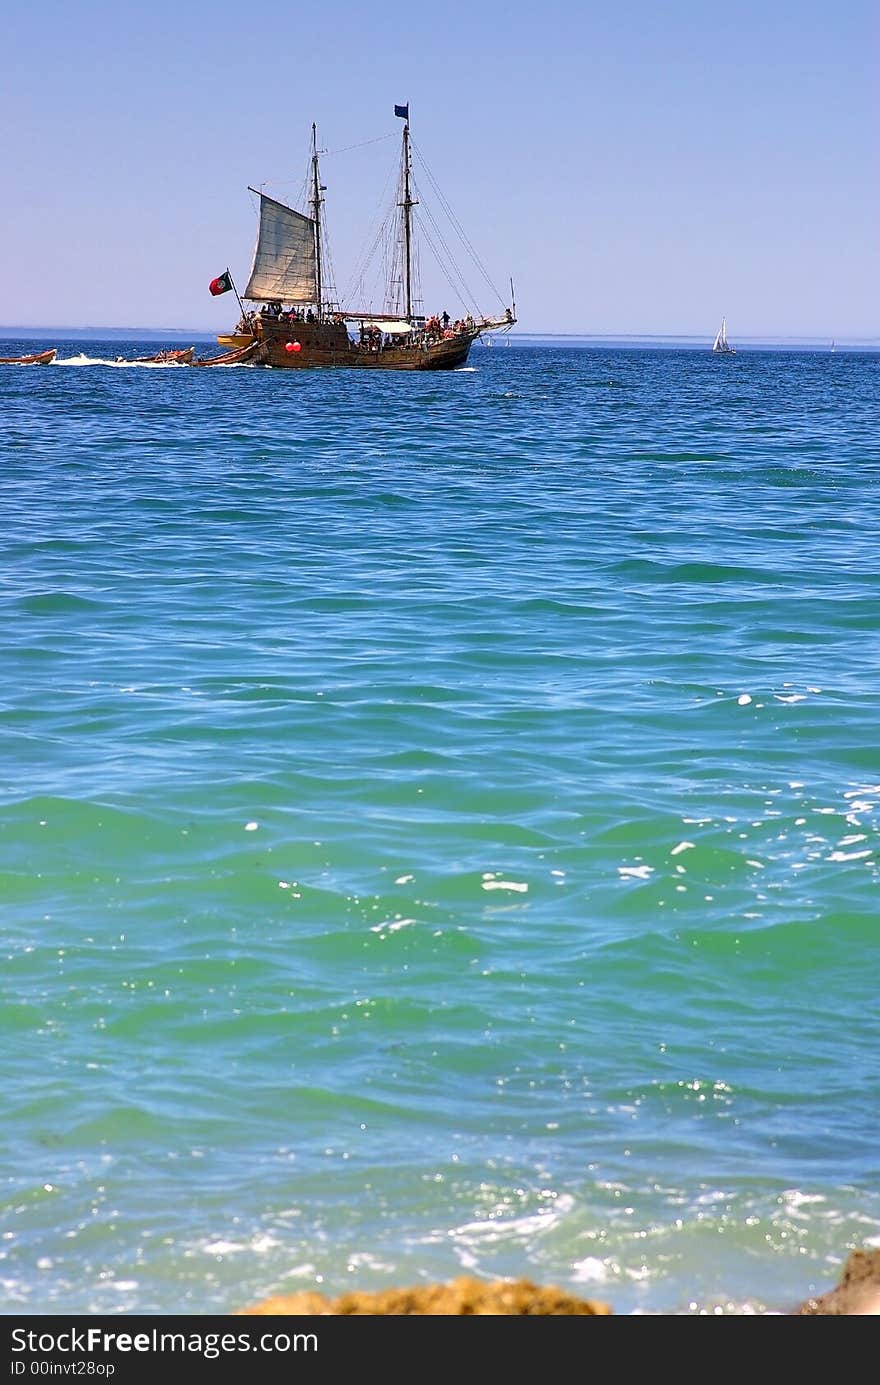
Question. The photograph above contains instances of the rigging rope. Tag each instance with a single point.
(460, 289)
(363, 144)
(449, 267)
(456, 223)
(388, 237)
(368, 251)
(286, 183)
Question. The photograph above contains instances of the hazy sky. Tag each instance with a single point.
(638, 167)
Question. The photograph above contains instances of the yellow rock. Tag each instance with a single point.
(858, 1293)
(463, 1296)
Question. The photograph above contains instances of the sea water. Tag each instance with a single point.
(439, 828)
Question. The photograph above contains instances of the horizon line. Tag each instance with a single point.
(73, 329)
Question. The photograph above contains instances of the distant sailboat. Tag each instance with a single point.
(721, 343)
(833, 345)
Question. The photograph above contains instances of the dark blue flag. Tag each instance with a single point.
(402, 111)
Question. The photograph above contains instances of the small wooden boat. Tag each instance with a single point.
(251, 352)
(182, 357)
(38, 358)
(235, 340)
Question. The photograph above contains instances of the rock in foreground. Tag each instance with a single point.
(462, 1296)
(857, 1294)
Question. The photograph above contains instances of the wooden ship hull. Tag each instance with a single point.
(303, 346)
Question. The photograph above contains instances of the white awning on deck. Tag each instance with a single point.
(396, 329)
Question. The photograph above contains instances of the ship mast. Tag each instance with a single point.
(407, 204)
(316, 201)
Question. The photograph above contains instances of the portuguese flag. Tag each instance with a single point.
(222, 284)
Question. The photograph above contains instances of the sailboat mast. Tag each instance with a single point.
(316, 212)
(407, 218)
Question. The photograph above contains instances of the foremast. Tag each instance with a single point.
(316, 203)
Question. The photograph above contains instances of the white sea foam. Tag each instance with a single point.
(392, 926)
(501, 1227)
(794, 1199)
(259, 1243)
(362, 1259)
(589, 1271)
(119, 364)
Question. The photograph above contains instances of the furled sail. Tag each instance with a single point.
(284, 260)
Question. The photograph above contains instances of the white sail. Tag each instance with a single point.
(284, 259)
(720, 343)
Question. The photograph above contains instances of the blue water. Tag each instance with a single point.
(439, 828)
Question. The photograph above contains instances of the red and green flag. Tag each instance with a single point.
(222, 284)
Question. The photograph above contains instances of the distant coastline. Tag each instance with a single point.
(106, 333)
(597, 340)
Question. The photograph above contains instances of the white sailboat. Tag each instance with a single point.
(721, 343)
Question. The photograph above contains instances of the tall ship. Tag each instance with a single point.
(298, 324)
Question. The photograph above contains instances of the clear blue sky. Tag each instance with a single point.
(637, 166)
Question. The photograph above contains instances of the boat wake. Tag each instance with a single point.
(120, 364)
(83, 359)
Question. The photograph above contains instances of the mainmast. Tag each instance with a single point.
(407, 204)
(316, 201)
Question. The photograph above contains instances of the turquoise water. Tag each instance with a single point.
(439, 828)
